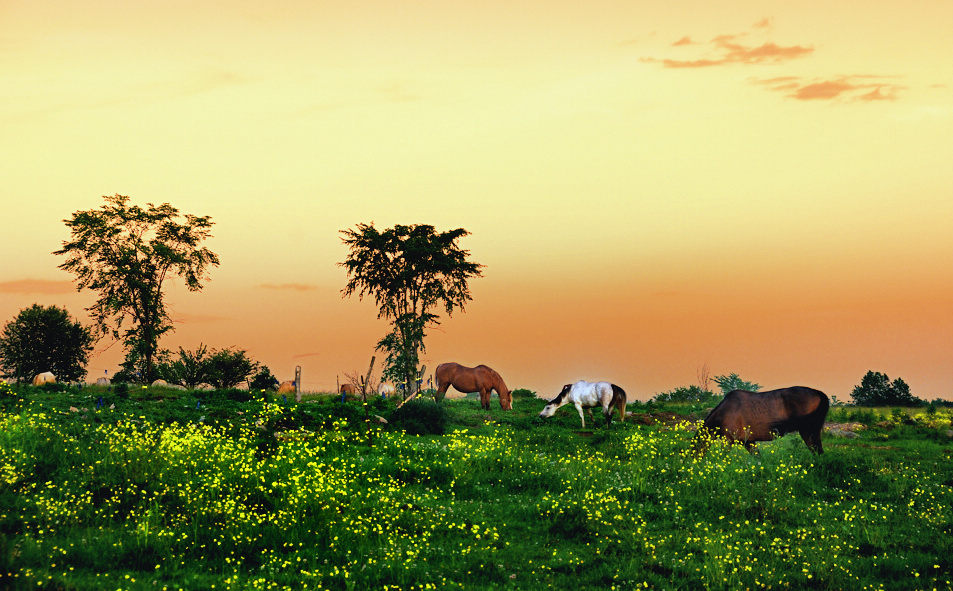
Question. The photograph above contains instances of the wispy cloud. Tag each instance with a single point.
(736, 49)
(302, 355)
(289, 286)
(41, 286)
(845, 88)
(724, 50)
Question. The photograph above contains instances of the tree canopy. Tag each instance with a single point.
(126, 252)
(876, 389)
(43, 339)
(411, 272)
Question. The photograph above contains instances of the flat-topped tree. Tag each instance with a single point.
(411, 272)
(126, 252)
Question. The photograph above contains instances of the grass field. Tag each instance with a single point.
(162, 489)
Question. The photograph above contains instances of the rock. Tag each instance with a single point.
(102, 382)
(949, 432)
(379, 419)
(286, 387)
(160, 383)
(204, 386)
(46, 377)
(841, 433)
(347, 389)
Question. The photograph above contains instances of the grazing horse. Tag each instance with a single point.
(480, 379)
(747, 417)
(584, 394)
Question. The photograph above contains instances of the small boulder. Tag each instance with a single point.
(160, 382)
(46, 377)
(286, 388)
(102, 382)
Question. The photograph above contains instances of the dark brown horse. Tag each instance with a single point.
(480, 379)
(747, 417)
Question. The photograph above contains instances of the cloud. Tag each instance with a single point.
(289, 286)
(302, 355)
(848, 88)
(728, 50)
(736, 49)
(43, 286)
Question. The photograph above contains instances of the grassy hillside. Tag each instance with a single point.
(154, 489)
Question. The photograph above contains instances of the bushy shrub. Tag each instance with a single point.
(685, 394)
(420, 417)
(263, 380)
(876, 389)
(733, 382)
(523, 393)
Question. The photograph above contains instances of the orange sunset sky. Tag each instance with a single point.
(765, 187)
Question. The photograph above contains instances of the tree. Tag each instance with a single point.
(190, 369)
(876, 389)
(229, 367)
(733, 381)
(263, 380)
(126, 252)
(411, 271)
(45, 339)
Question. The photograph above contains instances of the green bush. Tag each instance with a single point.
(523, 393)
(685, 394)
(733, 381)
(420, 417)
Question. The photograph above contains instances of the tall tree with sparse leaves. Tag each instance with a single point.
(126, 252)
(411, 272)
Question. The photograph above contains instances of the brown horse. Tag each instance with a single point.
(480, 379)
(747, 417)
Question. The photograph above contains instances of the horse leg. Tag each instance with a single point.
(442, 390)
(581, 415)
(484, 399)
(813, 440)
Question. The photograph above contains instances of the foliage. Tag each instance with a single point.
(126, 252)
(254, 495)
(523, 393)
(190, 369)
(227, 368)
(733, 382)
(876, 389)
(420, 417)
(410, 271)
(319, 507)
(685, 394)
(44, 338)
(263, 380)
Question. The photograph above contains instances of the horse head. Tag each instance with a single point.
(560, 399)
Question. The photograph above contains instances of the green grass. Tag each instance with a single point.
(172, 489)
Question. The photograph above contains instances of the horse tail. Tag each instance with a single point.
(619, 400)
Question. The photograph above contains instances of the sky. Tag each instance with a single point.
(753, 187)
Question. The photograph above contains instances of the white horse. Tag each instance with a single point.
(584, 394)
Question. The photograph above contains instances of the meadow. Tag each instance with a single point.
(149, 488)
